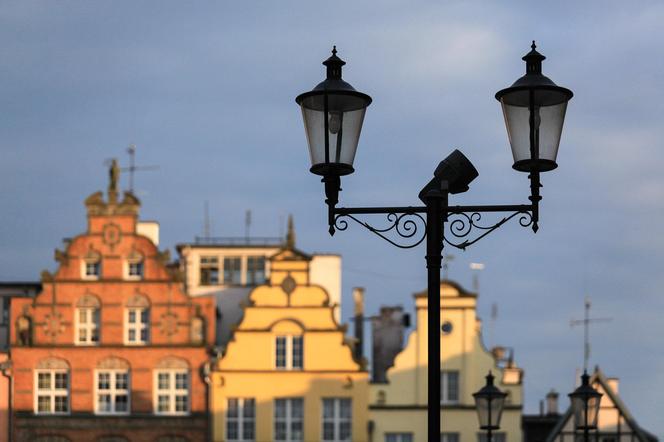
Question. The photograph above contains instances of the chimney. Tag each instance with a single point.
(358, 301)
(552, 403)
(613, 384)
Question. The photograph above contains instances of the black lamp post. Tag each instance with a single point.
(333, 113)
(489, 402)
(585, 406)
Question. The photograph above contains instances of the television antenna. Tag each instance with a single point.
(133, 168)
(586, 321)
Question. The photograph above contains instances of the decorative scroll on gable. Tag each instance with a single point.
(88, 301)
(113, 363)
(138, 300)
(52, 364)
(172, 362)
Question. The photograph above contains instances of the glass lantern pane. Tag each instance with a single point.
(482, 407)
(344, 124)
(548, 128)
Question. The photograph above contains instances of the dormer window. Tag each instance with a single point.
(134, 267)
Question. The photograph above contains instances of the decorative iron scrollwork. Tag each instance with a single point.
(412, 227)
(462, 224)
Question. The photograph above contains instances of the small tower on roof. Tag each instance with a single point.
(290, 235)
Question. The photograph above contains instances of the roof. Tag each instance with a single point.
(463, 293)
(598, 376)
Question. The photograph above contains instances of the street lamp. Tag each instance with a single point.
(333, 114)
(489, 402)
(585, 406)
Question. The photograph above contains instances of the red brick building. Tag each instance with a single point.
(112, 349)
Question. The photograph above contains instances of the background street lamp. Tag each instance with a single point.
(333, 112)
(489, 402)
(585, 406)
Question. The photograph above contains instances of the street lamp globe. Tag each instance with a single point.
(585, 404)
(489, 402)
(333, 113)
(534, 110)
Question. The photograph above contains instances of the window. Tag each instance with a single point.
(92, 268)
(495, 437)
(52, 392)
(337, 419)
(4, 316)
(135, 270)
(289, 419)
(449, 387)
(137, 325)
(240, 419)
(289, 352)
(87, 326)
(172, 392)
(112, 392)
(399, 437)
(209, 270)
(449, 437)
(255, 270)
(232, 271)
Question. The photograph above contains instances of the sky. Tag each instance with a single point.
(205, 90)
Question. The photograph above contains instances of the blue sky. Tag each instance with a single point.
(206, 91)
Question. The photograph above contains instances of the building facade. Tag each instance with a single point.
(398, 407)
(230, 268)
(111, 349)
(8, 291)
(288, 373)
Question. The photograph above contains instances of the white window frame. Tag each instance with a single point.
(499, 436)
(137, 326)
(241, 270)
(403, 436)
(240, 420)
(248, 271)
(112, 391)
(127, 269)
(336, 419)
(90, 325)
(84, 269)
(289, 419)
(171, 392)
(52, 392)
(450, 436)
(445, 390)
(211, 262)
(290, 352)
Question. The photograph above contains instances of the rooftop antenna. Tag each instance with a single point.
(446, 260)
(131, 150)
(586, 321)
(206, 219)
(476, 267)
(247, 224)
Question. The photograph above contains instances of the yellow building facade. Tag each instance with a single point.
(288, 372)
(398, 408)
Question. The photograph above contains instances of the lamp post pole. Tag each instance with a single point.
(333, 114)
(435, 199)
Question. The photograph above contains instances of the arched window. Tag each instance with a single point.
(87, 320)
(172, 385)
(112, 387)
(52, 386)
(137, 320)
